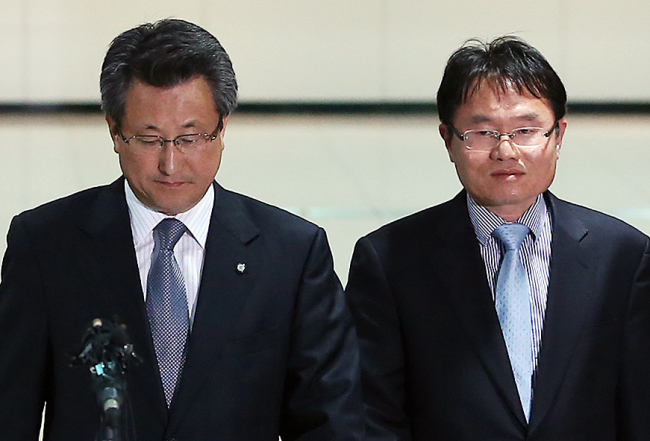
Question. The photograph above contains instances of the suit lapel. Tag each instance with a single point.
(568, 294)
(224, 290)
(469, 294)
(107, 259)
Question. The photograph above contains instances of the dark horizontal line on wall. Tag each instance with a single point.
(46, 108)
(345, 108)
(326, 108)
(610, 107)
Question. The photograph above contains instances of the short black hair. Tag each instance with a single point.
(165, 54)
(507, 61)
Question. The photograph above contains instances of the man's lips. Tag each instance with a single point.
(171, 184)
(507, 173)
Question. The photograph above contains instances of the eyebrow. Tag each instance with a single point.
(482, 118)
(190, 124)
(532, 116)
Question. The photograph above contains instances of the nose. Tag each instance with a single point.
(505, 149)
(168, 159)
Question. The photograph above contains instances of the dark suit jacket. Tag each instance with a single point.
(272, 350)
(434, 362)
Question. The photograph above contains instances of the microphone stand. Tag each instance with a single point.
(106, 353)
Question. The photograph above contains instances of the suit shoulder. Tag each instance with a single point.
(271, 216)
(413, 224)
(599, 222)
(62, 209)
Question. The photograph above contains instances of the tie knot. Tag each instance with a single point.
(168, 232)
(511, 235)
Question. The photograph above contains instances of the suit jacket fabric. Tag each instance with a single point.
(272, 350)
(434, 362)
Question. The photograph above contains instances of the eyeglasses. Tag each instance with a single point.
(186, 144)
(486, 140)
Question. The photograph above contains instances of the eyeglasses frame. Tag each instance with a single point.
(499, 135)
(208, 136)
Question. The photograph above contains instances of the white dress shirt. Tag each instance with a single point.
(190, 249)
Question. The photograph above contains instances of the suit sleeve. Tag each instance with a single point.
(23, 340)
(382, 352)
(322, 393)
(634, 394)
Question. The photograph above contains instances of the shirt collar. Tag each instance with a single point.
(144, 219)
(485, 222)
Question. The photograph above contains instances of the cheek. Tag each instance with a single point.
(215, 157)
(137, 166)
(469, 163)
(541, 169)
(540, 160)
(206, 166)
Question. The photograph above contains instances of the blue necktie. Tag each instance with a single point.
(167, 305)
(513, 308)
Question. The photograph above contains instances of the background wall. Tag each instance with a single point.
(307, 50)
(348, 174)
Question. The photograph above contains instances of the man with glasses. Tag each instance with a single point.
(504, 313)
(232, 305)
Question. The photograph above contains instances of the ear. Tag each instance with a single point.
(562, 125)
(223, 127)
(112, 128)
(447, 136)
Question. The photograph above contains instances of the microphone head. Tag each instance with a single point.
(105, 343)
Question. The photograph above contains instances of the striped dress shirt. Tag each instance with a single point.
(190, 249)
(535, 254)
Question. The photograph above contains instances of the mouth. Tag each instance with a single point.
(507, 174)
(170, 184)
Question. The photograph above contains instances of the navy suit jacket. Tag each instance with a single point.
(272, 349)
(434, 362)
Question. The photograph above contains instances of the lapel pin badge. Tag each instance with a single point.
(241, 267)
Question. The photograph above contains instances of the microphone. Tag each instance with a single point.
(110, 399)
(107, 353)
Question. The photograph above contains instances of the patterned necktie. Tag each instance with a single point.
(167, 305)
(513, 308)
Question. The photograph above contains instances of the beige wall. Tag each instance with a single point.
(336, 50)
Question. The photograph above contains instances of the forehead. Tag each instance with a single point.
(490, 102)
(154, 106)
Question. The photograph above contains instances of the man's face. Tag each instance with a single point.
(167, 180)
(506, 179)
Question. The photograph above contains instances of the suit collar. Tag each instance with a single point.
(222, 294)
(107, 212)
(233, 259)
(107, 259)
(230, 214)
(458, 265)
(564, 217)
(569, 292)
(454, 221)
(469, 294)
